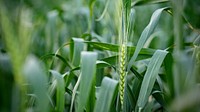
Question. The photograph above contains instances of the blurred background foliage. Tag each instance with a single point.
(41, 35)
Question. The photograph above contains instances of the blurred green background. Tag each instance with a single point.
(33, 31)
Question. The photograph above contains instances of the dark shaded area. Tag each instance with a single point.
(6, 81)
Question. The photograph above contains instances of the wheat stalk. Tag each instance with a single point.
(122, 54)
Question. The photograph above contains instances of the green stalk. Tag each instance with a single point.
(122, 59)
(178, 51)
(17, 40)
(123, 33)
(91, 7)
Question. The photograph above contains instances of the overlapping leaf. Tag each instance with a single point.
(150, 77)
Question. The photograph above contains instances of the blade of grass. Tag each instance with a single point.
(145, 2)
(130, 100)
(168, 64)
(112, 59)
(74, 92)
(60, 91)
(145, 34)
(99, 64)
(115, 48)
(76, 46)
(140, 77)
(126, 12)
(135, 90)
(37, 79)
(88, 70)
(131, 24)
(104, 11)
(69, 76)
(59, 57)
(107, 95)
(150, 77)
(102, 64)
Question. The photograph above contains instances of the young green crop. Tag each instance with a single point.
(62, 57)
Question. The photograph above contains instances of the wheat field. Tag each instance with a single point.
(99, 56)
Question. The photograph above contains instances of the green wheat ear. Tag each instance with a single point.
(122, 68)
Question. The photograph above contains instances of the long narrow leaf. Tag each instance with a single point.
(145, 34)
(115, 48)
(37, 79)
(65, 61)
(145, 2)
(60, 91)
(76, 47)
(107, 95)
(88, 70)
(150, 77)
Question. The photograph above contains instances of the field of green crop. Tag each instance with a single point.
(99, 55)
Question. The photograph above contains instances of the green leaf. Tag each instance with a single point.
(76, 47)
(130, 100)
(145, 34)
(150, 77)
(74, 92)
(91, 3)
(140, 77)
(102, 64)
(168, 64)
(104, 11)
(144, 2)
(159, 98)
(131, 23)
(135, 90)
(115, 48)
(60, 91)
(37, 79)
(68, 76)
(126, 10)
(112, 60)
(88, 71)
(107, 95)
(59, 57)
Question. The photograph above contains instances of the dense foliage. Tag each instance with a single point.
(100, 55)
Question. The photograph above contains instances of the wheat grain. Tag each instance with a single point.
(122, 72)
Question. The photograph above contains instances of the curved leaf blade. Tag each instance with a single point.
(60, 91)
(76, 47)
(107, 95)
(145, 34)
(145, 2)
(65, 61)
(150, 77)
(115, 48)
(88, 70)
